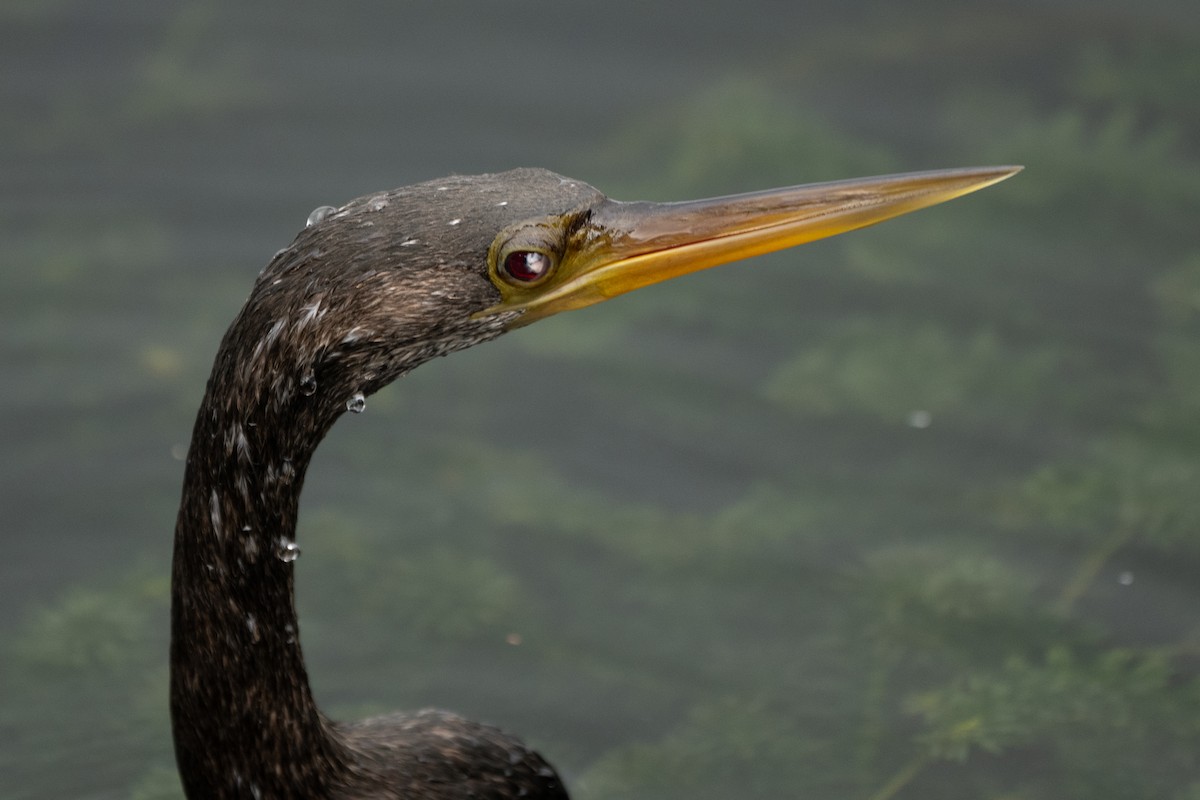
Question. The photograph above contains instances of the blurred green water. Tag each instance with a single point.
(907, 514)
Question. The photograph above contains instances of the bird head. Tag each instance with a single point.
(372, 289)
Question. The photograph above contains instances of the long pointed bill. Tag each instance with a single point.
(625, 246)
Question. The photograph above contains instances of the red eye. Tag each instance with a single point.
(527, 266)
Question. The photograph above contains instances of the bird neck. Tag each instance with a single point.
(243, 716)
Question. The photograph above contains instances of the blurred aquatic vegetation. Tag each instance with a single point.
(965, 602)
(91, 630)
(85, 677)
(969, 415)
(893, 369)
(520, 490)
(1085, 726)
(739, 134)
(429, 590)
(1109, 174)
(1173, 411)
(1124, 493)
(1109, 198)
(1154, 76)
(1178, 293)
(1116, 156)
(1126, 484)
(178, 77)
(729, 746)
(57, 257)
(158, 783)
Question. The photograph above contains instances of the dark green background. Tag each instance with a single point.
(907, 514)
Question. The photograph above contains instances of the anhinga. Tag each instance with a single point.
(364, 294)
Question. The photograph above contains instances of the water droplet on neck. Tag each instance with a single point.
(287, 551)
(356, 403)
(308, 385)
(318, 215)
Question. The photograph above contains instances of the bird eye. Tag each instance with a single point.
(527, 266)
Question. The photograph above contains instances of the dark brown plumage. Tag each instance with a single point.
(358, 299)
(363, 295)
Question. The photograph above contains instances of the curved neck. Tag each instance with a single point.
(243, 716)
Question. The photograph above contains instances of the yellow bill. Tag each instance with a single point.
(588, 255)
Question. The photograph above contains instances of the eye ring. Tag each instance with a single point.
(526, 267)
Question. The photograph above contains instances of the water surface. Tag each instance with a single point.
(909, 513)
